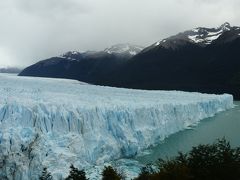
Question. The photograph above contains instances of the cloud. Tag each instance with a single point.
(53, 8)
(32, 30)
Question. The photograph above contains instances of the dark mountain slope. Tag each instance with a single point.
(213, 68)
(87, 69)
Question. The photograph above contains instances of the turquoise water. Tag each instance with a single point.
(225, 124)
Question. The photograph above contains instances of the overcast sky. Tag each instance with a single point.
(32, 30)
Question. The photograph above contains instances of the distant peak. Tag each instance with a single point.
(127, 49)
(225, 26)
(72, 55)
(69, 53)
(202, 36)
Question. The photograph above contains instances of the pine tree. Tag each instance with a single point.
(45, 175)
(110, 174)
(76, 174)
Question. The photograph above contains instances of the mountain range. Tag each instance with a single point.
(90, 66)
(202, 59)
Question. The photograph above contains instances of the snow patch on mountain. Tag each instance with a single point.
(126, 49)
(207, 40)
(72, 55)
(202, 36)
(53, 123)
(132, 53)
(208, 35)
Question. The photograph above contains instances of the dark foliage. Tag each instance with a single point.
(76, 174)
(145, 173)
(45, 175)
(217, 161)
(110, 173)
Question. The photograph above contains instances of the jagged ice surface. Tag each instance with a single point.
(55, 122)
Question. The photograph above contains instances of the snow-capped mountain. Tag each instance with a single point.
(89, 66)
(54, 123)
(206, 35)
(124, 49)
(201, 36)
(201, 59)
(72, 55)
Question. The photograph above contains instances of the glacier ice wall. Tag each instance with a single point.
(55, 122)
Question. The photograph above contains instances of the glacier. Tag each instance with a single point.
(53, 123)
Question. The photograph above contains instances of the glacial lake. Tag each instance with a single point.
(225, 124)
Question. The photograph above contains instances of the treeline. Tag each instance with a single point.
(217, 161)
(108, 173)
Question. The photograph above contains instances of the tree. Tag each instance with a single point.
(76, 174)
(45, 175)
(146, 173)
(204, 162)
(110, 173)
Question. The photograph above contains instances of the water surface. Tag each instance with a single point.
(225, 124)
